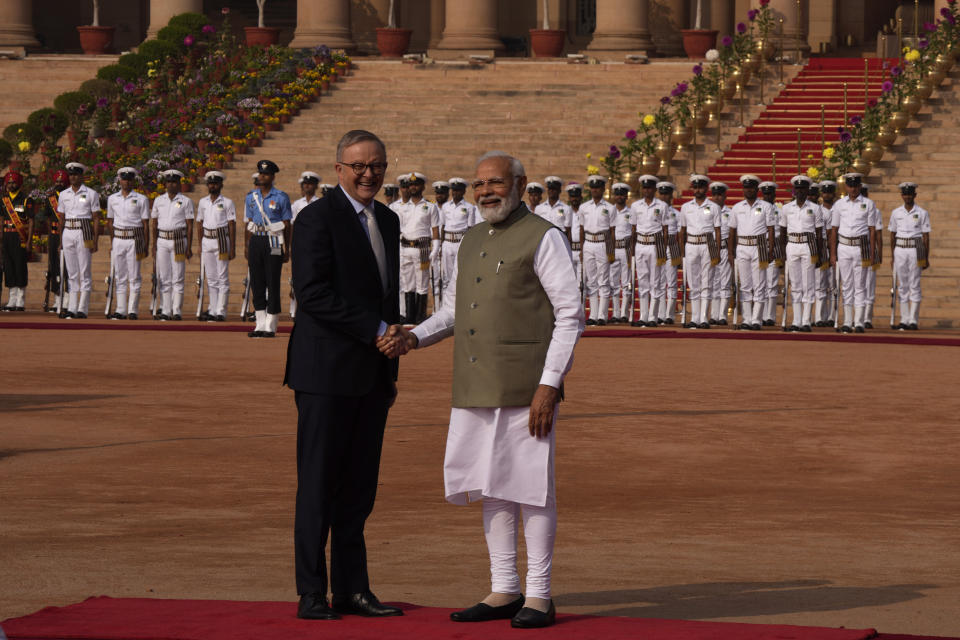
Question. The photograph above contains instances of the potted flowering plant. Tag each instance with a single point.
(393, 41)
(763, 18)
(697, 41)
(261, 35)
(546, 42)
(94, 38)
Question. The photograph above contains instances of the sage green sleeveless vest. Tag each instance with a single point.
(504, 318)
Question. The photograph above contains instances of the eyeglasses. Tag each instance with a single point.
(493, 182)
(360, 168)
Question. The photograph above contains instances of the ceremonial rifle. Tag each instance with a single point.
(201, 278)
(786, 284)
(245, 303)
(893, 296)
(111, 286)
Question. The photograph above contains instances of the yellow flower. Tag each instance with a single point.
(24, 146)
(913, 55)
(592, 170)
(589, 155)
(828, 152)
(813, 172)
(649, 120)
(809, 156)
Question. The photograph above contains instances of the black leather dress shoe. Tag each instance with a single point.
(363, 604)
(313, 606)
(255, 334)
(81, 315)
(132, 316)
(528, 618)
(481, 612)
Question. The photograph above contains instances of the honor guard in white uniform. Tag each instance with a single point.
(910, 239)
(309, 183)
(419, 246)
(554, 209)
(649, 215)
(575, 231)
(802, 224)
(441, 192)
(80, 208)
(534, 195)
(403, 197)
(456, 216)
(326, 188)
(824, 308)
(623, 239)
(751, 245)
(441, 195)
(723, 272)
(390, 193)
(853, 224)
(768, 191)
(217, 237)
(598, 222)
(128, 216)
(666, 309)
(877, 261)
(172, 243)
(700, 239)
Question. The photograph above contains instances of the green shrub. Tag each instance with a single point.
(113, 71)
(135, 61)
(174, 34)
(72, 102)
(158, 50)
(23, 131)
(6, 152)
(99, 88)
(52, 123)
(193, 22)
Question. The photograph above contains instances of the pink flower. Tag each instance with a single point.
(225, 11)
(129, 87)
(752, 15)
(698, 69)
(929, 26)
(741, 28)
(727, 41)
(188, 41)
(887, 87)
(630, 135)
(872, 103)
(896, 71)
(207, 30)
(102, 102)
(764, 3)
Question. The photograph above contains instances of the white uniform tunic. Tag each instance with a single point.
(620, 267)
(825, 278)
(752, 221)
(559, 213)
(299, 205)
(598, 218)
(801, 266)
(908, 225)
(214, 215)
(723, 272)
(650, 219)
(853, 219)
(128, 213)
(576, 229)
(417, 220)
(171, 214)
(490, 453)
(455, 218)
(700, 220)
(82, 204)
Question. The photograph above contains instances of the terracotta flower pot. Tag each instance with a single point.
(95, 40)
(696, 42)
(261, 36)
(547, 43)
(393, 43)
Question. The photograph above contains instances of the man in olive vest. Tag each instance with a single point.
(518, 318)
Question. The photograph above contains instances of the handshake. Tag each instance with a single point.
(396, 341)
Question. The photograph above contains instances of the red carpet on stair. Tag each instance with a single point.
(103, 618)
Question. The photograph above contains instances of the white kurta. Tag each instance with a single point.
(490, 452)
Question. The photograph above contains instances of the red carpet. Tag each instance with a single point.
(105, 618)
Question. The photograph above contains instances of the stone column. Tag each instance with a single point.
(667, 18)
(471, 25)
(323, 22)
(16, 29)
(722, 17)
(622, 28)
(437, 11)
(794, 14)
(162, 10)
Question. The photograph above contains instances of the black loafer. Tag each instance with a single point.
(313, 606)
(528, 618)
(363, 604)
(481, 612)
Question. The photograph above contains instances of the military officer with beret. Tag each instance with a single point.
(801, 223)
(910, 239)
(419, 247)
(851, 239)
(80, 208)
(700, 239)
(173, 217)
(649, 217)
(17, 216)
(599, 220)
(128, 216)
(723, 272)
(217, 237)
(267, 213)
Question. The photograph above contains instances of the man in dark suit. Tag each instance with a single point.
(346, 280)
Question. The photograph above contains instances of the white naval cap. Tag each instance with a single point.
(620, 188)
(798, 181)
(214, 176)
(574, 186)
(309, 175)
(908, 188)
(130, 172)
(749, 177)
(413, 176)
(719, 186)
(172, 174)
(390, 185)
(324, 187)
(697, 178)
(666, 186)
(828, 185)
(767, 185)
(457, 183)
(256, 175)
(814, 186)
(596, 181)
(440, 184)
(76, 167)
(535, 186)
(403, 179)
(556, 181)
(647, 180)
(852, 177)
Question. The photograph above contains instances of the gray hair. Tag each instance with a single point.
(516, 167)
(357, 136)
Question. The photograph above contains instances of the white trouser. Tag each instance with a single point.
(908, 274)
(801, 272)
(501, 520)
(170, 275)
(448, 258)
(650, 279)
(699, 272)
(853, 277)
(217, 274)
(722, 275)
(753, 280)
(76, 257)
(825, 282)
(596, 269)
(620, 273)
(870, 284)
(127, 272)
(412, 277)
(773, 283)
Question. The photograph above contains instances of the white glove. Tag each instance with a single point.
(434, 250)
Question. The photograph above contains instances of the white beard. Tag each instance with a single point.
(504, 209)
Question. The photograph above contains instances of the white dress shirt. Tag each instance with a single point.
(172, 213)
(82, 203)
(699, 219)
(753, 219)
(217, 213)
(128, 212)
(458, 216)
(559, 213)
